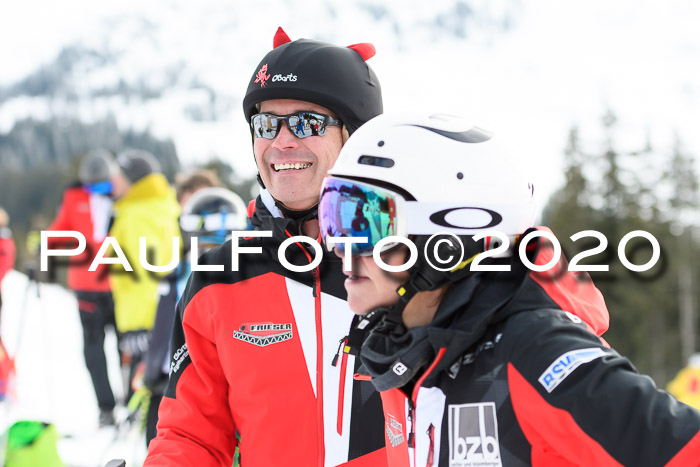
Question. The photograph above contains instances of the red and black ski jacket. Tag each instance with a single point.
(520, 377)
(79, 211)
(253, 354)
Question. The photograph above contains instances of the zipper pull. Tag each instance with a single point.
(337, 354)
(431, 447)
(411, 416)
(314, 273)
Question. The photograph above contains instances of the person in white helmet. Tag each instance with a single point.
(477, 366)
(209, 214)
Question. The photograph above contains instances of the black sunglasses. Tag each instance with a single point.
(300, 124)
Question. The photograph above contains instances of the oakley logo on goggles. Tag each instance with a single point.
(301, 124)
(354, 209)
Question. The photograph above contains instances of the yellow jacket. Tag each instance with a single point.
(149, 209)
(686, 386)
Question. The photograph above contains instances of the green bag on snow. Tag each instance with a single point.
(31, 444)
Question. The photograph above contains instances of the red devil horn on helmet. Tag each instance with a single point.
(281, 37)
(365, 49)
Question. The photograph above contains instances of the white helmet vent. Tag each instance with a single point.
(376, 161)
(472, 135)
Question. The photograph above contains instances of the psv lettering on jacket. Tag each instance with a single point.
(563, 366)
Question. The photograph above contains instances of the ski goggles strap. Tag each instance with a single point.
(300, 124)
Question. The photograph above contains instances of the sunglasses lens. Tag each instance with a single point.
(265, 125)
(353, 209)
(301, 125)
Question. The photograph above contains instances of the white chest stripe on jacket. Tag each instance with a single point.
(430, 408)
(335, 321)
(100, 212)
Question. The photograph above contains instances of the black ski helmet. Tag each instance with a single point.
(337, 78)
(137, 163)
(97, 166)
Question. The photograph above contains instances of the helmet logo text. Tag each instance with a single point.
(279, 77)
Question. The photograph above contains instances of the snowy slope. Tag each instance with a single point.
(52, 383)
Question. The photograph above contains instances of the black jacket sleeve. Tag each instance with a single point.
(576, 397)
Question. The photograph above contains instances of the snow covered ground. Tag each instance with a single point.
(52, 383)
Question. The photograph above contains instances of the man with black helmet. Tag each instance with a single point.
(253, 349)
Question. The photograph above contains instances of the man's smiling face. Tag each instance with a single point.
(293, 168)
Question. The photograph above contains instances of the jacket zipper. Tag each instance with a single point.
(341, 382)
(414, 398)
(316, 292)
(319, 368)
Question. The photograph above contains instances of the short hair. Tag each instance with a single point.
(192, 181)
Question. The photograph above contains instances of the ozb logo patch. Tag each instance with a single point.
(565, 365)
(473, 432)
(262, 334)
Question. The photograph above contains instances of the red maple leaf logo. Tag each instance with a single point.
(261, 76)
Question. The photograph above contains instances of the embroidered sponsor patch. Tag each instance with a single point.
(262, 76)
(566, 364)
(394, 431)
(473, 432)
(262, 334)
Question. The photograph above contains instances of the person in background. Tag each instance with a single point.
(146, 207)
(216, 202)
(686, 385)
(498, 367)
(186, 184)
(7, 248)
(87, 208)
(7, 262)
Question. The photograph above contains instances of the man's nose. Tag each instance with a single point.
(285, 139)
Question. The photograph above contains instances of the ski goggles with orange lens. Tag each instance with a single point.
(349, 208)
(300, 124)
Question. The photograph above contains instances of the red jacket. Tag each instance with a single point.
(253, 353)
(7, 254)
(78, 213)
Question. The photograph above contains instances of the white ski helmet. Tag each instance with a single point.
(455, 176)
(211, 214)
(427, 178)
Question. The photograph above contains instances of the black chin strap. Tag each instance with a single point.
(390, 319)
